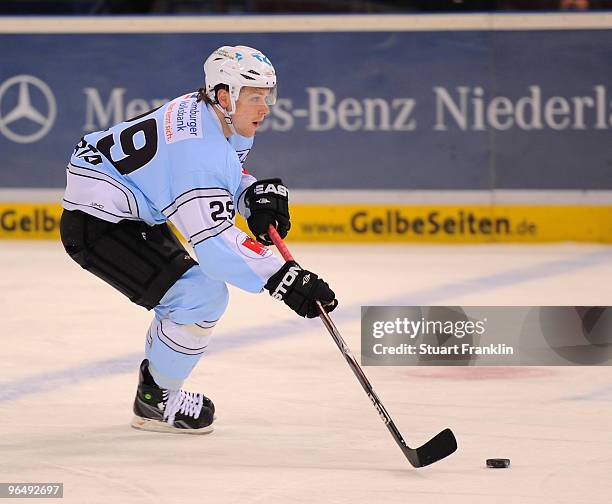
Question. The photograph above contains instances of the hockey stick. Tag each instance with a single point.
(440, 446)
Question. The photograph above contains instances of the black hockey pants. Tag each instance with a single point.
(139, 260)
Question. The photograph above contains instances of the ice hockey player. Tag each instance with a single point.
(183, 163)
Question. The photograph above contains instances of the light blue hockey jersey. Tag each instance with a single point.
(174, 163)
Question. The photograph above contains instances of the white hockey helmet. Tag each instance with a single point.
(237, 67)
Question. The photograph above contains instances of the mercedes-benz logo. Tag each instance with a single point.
(25, 110)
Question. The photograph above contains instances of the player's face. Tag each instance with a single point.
(251, 109)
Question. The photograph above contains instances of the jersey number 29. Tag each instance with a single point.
(138, 145)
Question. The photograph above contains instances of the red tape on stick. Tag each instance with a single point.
(280, 244)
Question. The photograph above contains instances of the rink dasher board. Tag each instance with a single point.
(403, 216)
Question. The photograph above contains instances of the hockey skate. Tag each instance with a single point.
(162, 410)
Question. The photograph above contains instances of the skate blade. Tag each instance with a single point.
(157, 426)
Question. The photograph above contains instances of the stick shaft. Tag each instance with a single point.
(348, 355)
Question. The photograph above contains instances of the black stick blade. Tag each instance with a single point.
(435, 449)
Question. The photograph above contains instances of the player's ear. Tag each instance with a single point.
(223, 97)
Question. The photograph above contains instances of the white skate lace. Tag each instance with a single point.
(188, 403)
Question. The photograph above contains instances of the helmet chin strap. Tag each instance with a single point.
(228, 118)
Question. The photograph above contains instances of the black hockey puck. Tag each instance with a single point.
(498, 463)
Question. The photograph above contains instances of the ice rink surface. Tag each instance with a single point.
(294, 426)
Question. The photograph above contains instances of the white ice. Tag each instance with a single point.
(294, 426)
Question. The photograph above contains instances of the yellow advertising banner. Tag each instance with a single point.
(30, 221)
(451, 223)
(386, 223)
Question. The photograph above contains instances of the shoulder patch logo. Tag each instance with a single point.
(183, 119)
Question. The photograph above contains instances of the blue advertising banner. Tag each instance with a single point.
(470, 109)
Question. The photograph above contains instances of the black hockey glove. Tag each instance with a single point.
(299, 289)
(268, 201)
